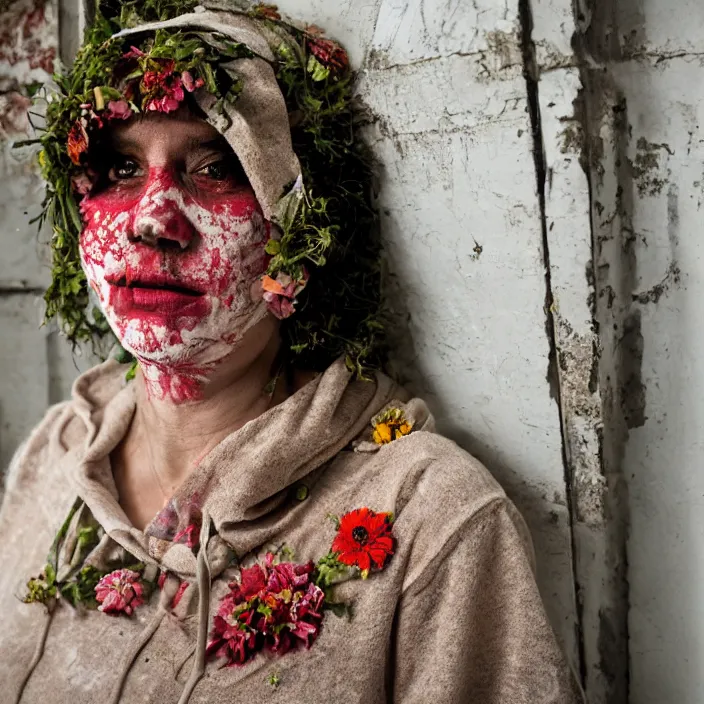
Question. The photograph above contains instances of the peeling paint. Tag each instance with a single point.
(14, 120)
(578, 357)
(646, 167)
(572, 138)
(28, 42)
(632, 389)
(603, 493)
(653, 295)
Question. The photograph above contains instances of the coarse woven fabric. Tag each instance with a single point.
(260, 134)
(454, 617)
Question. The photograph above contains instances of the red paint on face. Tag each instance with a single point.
(173, 260)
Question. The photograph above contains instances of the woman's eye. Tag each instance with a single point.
(124, 168)
(218, 171)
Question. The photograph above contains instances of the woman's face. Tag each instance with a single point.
(173, 242)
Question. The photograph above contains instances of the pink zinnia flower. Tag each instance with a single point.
(120, 591)
(280, 293)
(188, 83)
(133, 53)
(118, 110)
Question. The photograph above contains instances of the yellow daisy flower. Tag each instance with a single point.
(390, 425)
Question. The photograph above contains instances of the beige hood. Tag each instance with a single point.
(245, 477)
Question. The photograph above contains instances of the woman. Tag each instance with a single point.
(217, 504)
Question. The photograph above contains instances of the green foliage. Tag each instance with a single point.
(41, 589)
(329, 570)
(132, 371)
(335, 231)
(78, 584)
(81, 589)
(330, 229)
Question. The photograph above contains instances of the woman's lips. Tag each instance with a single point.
(162, 302)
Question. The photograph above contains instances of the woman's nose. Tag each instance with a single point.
(159, 220)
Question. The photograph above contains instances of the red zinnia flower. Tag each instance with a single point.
(330, 54)
(120, 591)
(364, 539)
(77, 142)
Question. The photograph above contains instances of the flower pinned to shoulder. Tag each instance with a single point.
(364, 540)
(119, 592)
(279, 606)
(390, 425)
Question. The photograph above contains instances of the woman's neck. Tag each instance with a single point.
(167, 440)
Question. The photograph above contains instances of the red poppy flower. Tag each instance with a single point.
(364, 539)
(77, 142)
(330, 54)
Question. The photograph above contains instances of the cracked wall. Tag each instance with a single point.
(464, 236)
(647, 113)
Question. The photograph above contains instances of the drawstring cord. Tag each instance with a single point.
(38, 651)
(203, 582)
(167, 594)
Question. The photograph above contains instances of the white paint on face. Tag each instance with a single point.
(162, 235)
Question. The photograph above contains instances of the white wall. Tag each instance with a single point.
(653, 51)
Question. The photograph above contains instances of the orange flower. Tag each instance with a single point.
(77, 142)
(364, 540)
(280, 293)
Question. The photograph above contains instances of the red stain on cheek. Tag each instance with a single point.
(223, 236)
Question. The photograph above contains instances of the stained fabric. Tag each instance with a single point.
(454, 617)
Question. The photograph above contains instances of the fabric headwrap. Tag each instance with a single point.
(258, 130)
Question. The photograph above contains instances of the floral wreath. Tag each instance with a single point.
(325, 266)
